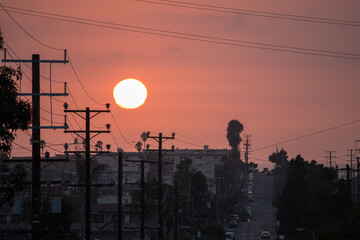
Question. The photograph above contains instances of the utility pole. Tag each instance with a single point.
(351, 162)
(142, 222)
(176, 209)
(358, 179)
(330, 156)
(119, 213)
(36, 138)
(160, 140)
(247, 146)
(87, 152)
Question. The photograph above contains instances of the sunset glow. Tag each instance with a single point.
(130, 93)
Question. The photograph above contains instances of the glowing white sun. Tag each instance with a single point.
(130, 93)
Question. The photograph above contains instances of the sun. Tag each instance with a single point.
(130, 93)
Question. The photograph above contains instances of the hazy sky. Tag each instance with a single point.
(194, 87)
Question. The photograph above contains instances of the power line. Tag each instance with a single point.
(82, 86)
(77, 107)
(192, 139)
(197, 145)
(255, 13)
(28, 78)
(35, 39)
(21, 146)
(196, 37)
(120, 130)
(307, 135)
(72, 66)
(112, 135)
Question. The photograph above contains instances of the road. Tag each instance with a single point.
(263, 212)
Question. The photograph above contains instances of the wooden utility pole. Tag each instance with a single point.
(36, 166)
(119, 213)
(330, 156)
(358, 179)
(176, 210)
(247, 147)
(88, 158)
(142, 222)
(160, 140)
(36, 137)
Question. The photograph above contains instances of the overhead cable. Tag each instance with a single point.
(194, 37)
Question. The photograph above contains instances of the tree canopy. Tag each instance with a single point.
(310, 198)
(15, 113)
(278, 158)
(233, 133)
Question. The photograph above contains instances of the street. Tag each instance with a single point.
(263, 212)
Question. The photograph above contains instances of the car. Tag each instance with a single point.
(265, 235)
(248, 209)
(235, 217)
(229, 235)
(250, 197)
(232, 224)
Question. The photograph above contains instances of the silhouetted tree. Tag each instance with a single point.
(99, 145)
(14, 114)
(233, 135)
(279, 158)
(309, 198)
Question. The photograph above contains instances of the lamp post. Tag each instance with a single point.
(305, 229)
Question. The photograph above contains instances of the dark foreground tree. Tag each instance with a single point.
(14, 114)
(310, 198)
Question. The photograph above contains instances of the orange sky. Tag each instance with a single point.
(196, 88)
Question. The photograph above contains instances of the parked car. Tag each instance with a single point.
(235, 217)
(232, 224)
(250, 197)
(229, 236)
(248, 209)
(265, 235)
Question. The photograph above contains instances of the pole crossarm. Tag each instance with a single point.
(84, 131)
(98, 152)
(40, 61)
(49, 127)
(83, 111)
(42, 160)
(43, 94)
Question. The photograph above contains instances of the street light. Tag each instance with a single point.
(305, 229)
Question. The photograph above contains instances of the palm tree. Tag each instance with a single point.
(99, 145)
(233, 135)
